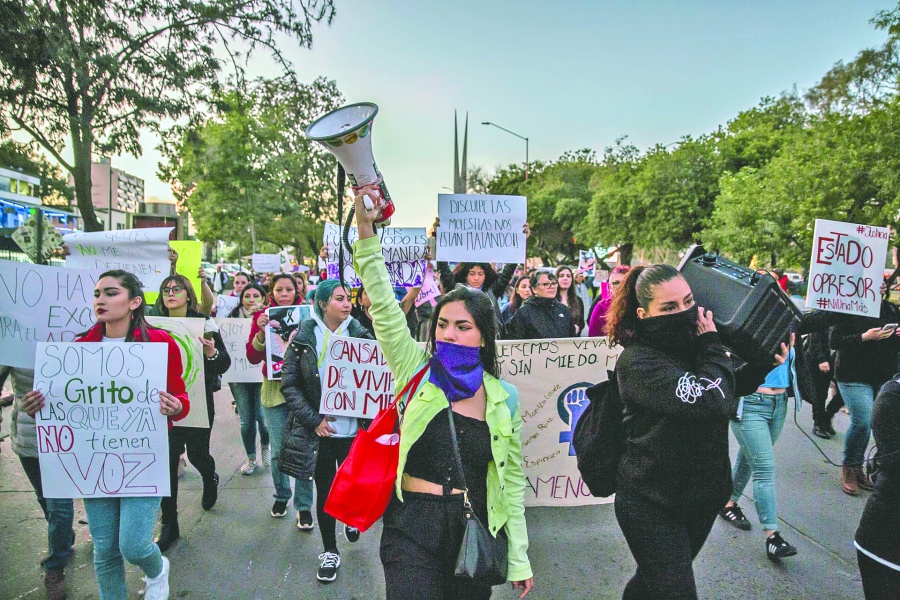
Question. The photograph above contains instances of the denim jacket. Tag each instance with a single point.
(506, 476)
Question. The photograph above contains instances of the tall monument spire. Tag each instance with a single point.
(460, 180)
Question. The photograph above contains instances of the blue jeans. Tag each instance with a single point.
(276, 419)
(59, 513)
(756, 432)
(250, 411)
(859, 398)
(122, 527)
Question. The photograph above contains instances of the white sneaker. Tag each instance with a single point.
(248, 467)
(266, 457)
(158, 587)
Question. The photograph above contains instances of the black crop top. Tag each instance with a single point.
(431, 456)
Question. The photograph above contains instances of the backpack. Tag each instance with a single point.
(599, 437)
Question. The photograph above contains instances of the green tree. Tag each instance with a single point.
(54, 189)
(559, 196)
(249, 166)
(99, 71)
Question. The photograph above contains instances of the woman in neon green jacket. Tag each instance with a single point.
(424, 523)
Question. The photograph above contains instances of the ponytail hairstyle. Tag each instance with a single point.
(184, 282)
(636, 292)
(270, 297)
(135, 289)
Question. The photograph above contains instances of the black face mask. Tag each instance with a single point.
(674, 333)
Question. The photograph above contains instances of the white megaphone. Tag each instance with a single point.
(346, 132)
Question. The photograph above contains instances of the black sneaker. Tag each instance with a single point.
(776, 547)
(279, 509)
(210, 492)
(351, 533)
(328, 566)
(735, 516)
(820, 430)
(304, 520)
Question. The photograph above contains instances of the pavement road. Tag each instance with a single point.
(236, 550)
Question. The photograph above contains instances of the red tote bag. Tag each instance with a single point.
(365, 481)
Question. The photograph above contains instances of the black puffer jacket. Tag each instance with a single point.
(541, 319)
(302, 391)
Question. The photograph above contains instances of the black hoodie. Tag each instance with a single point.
(679, 403)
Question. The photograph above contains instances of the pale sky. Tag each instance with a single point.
(568, 75)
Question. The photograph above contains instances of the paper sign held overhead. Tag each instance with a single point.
(143, 252)
(404, 251)
(266, 263)
(481, 228)
(846, 268)
(100, 433)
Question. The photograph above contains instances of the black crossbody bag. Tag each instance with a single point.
(482, 557)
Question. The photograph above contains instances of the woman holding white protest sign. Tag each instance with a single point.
(283, 291)
(441, 484)
(177, 299)
(123, 527)
(247, 393)
(314, 445)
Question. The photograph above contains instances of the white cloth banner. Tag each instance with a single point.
(846, 268)
(481, 228)
(404, 251)
(42, 304)
(187, 332)
(235, 333)
(266, 263)
(100, 433)
(551, 377)
(144, 252)
(358, 382)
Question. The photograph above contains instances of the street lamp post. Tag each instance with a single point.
(521, 137)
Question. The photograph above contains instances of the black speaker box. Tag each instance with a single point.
(752, 313)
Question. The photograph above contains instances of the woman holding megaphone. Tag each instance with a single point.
(434, 497)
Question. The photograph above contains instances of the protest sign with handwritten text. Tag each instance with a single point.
(430, 290)
(100, 433)
(358, 382)
(235, 333)
(481, 228)
(847, 266)
(144, 252)
(225, 304)
(266, 263)
(551, 377)
(42, 304)
(403, 248)
(186, 332)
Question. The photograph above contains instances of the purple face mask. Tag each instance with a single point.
(456, 370)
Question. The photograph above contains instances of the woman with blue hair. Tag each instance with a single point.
(315, 445)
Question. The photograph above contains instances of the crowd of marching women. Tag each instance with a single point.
(460, 470)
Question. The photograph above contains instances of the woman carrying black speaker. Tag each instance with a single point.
(680, 389)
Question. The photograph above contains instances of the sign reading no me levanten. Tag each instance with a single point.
(100, 433)
(846, 268)
(481, 228)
